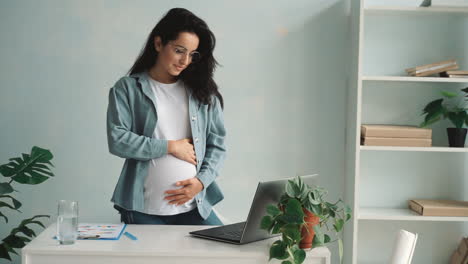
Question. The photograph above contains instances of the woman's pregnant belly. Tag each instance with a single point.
(163, 173)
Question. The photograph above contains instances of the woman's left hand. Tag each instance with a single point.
(180, 196)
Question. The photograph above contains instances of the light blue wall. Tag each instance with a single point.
(283, 77)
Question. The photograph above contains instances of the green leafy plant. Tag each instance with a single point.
(28, 169)
(453, 107)
(287, 218)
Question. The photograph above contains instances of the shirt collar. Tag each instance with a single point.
(143, 79)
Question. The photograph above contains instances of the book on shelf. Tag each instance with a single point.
(460, 255)
(437, 67)
(434, 68)
(429, 207)
(433, 71)
(395, 131)
(454, 74)
(396, 142)
(427, 66)
(458, 72)
(457, 76)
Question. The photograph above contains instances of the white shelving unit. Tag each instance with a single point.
(389, 38)
(422, 149)
(418, 10)
(414, 79)
(397, 214)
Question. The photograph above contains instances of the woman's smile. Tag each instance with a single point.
(179, 68)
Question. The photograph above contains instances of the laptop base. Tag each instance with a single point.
(228, 233)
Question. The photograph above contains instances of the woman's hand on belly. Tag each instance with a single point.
(191, 187)
(182, 149)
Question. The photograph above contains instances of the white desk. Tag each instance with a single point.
(155, 244)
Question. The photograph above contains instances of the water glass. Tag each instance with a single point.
(67, 222)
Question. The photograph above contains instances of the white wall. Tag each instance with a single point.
(283, 77)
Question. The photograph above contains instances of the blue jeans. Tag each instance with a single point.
(188, 218)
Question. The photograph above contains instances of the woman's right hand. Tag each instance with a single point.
(182, 149)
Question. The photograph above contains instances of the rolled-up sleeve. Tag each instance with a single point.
(121, 140)
(215, 153)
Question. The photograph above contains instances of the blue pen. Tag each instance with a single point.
(132, 237)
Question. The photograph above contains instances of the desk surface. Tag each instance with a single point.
(154, 241)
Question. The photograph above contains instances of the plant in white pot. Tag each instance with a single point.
(454, 107)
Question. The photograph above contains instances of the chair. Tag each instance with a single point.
(403, 248)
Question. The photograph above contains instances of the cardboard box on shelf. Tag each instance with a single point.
(395, 131)
(396, 142)
(428, 207)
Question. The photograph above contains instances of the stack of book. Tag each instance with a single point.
(460, 256)
(434, 68)
(455, 74)
(397, 136)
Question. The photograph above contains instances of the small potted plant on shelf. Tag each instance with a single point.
(453, 107)
(300, 217)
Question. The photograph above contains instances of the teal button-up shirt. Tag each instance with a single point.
(131, 121)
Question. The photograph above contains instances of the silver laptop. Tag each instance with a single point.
(245, 232)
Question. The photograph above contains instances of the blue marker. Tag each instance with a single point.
(132, 237)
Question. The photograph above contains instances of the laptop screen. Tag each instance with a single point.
(267, 193)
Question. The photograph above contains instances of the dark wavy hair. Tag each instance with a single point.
(197, 76)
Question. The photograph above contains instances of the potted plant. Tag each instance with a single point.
(300, 217)
(453, 107)
(29, 169)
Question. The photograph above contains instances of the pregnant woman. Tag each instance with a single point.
(166, 119)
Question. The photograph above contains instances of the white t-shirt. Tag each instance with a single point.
(163, 173)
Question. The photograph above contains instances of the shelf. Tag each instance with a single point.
(421, 10)
(421, 149)
(414, 79)
(391, 34)
(391, 214)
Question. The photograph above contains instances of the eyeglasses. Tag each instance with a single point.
(180, 51)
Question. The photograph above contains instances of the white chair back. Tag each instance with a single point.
(404, 248)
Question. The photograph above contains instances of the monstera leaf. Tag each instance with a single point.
(30, 168)
(14, 240)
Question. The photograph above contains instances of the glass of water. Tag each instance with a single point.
(67, 222)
